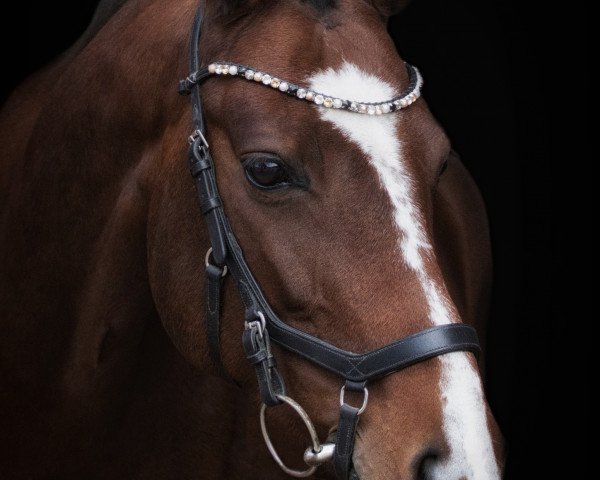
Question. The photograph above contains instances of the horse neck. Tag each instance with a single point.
(77, 316)
(74, 220)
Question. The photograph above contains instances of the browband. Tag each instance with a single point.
(405, 99)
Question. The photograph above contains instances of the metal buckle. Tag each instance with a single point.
(198, 134)
(207, 261)
(316, 449)
(260, 324)
(192, 78)
(365, 399)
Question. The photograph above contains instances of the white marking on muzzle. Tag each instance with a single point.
(464, 413)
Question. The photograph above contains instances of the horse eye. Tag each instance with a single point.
(266, 173)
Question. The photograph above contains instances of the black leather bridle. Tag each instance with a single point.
(263, 326)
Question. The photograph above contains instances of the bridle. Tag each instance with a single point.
(262, 325)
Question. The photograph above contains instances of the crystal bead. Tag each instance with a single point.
(362, 108)
(211, 68)
(301, 93)
(386, 107)
(283, 86)
(249, 74)
(258, 76)
(337, 103)
(275, 82)
(371, 110)
(319, 99)
(328, 102)
(310, 95)
(233, 70)
(266, 79)
(218, 70)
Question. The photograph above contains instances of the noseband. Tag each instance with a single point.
(262, 325)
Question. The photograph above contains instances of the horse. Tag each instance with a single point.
(361, 227)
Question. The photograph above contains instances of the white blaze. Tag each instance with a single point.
(464, 415)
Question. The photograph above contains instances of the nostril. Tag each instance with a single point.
(424, 462)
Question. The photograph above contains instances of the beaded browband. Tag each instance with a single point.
(406, 98)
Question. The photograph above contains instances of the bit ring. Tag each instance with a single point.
(316, 445)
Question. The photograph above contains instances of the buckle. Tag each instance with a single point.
(259, 325)
(198, 135)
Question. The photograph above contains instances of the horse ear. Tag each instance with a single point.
(390, 7)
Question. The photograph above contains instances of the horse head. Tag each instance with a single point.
(361, 227)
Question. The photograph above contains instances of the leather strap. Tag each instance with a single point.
(257, 346)
(214, 287)
(202, 169)
(197, 114)
(344, 441)
(398, 355)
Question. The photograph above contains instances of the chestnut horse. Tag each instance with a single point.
(360, 229)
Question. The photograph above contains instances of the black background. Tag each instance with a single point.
(509, 82)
